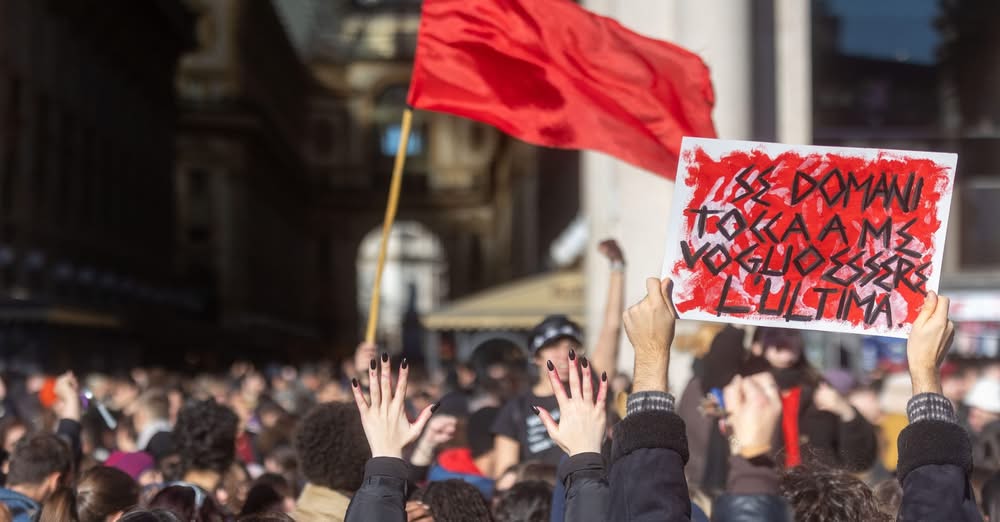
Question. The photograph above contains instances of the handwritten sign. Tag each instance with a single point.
(825, 238)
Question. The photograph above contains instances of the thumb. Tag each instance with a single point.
(653, 291)
(417, 427)
(667, 290)
(927, 310)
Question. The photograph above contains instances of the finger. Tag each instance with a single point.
(667, 289)
(550, 424)
(557, 386)
(404, 373)
(732, 394)
(927, 310)
(586, 383)
(373, 387)
(359, 396)
(767, 383)
(941, 310)
(602, 391)
(417, 427)
(653, 291)
(949, 337)
(574, 378)
(385, 382)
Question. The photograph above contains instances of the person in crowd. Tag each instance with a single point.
(151, 421)
(149, 515)
(60, 506)
(519, 436)
(453, 501)
(40, 464)
(819, 494)
(528, 501)
(818, 423)
(104, 494)
(983, 403)
(189, 503)
(332, 451)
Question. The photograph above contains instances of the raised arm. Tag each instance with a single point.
(605, 354)
(935, 455)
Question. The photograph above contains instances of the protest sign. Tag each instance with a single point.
(824, 238)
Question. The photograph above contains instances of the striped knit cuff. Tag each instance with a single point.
(649, 401)
(930, 406)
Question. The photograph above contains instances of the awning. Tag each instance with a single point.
(518, 305)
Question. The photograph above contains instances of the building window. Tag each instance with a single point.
(389, 107)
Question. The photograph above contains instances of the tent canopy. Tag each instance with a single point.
(518, 305)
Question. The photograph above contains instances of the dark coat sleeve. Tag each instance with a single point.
(857, 444)
(752, 494)
(647, 470)
(69, 430)
(935, 460)
(587, 492)
(383, 493)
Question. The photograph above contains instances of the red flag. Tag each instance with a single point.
(550, 73)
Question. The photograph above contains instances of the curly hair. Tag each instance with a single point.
(205, 436)
(454, 501)
(529, 501)
(822, 494)
(331, 446)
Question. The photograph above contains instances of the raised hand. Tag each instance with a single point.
(649, 325)
(68, 394)
(828, 399)
(609, 248)
(754, 407)
(384, 417)
(928, 344)
(582, 417)
(440, 429)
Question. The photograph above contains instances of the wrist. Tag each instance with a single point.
(925, 382)
(617, 265)
(395, 454)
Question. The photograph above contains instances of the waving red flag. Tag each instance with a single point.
(550, 73)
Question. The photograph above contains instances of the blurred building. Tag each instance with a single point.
(87, 120)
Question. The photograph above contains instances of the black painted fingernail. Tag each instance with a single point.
(403, 364)
(604, 376)
(583, 362)
(374, 364)
(354, 382)
(385, 357)
(550, 365)
(435, 407)
(572, 355)
(534, 409)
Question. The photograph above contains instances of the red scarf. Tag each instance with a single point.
(790, 400)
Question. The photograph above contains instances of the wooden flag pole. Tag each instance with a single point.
(390, 216)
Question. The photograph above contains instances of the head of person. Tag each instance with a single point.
(188, 503)
(528, 471)
(529, 501)
(149, 515)
(233, 489)
(820, 494)
(205, 438)
(39, 465)
(983, 401)
(151, 406)
(269, 516)
(552, 340)
(12, 429)
(331, 447)
(454, 501)
(782, 348)
(103, 494)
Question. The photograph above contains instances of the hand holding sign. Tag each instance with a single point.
(929, 343)
(837, 239)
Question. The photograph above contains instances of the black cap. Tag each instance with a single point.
(553, 328)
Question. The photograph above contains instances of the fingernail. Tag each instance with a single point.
(374, 364)
(583, 362)
(534, 409)
(572, 355)
(354, 382)
(404, 364)
(550, 365)
(604, 376)
(385, 357)
(435, 407)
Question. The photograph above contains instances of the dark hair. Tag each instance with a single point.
(189, 503)
(889, 495)
(60, 506)
(149, 515)
(533, 470)
(269, 516)
(103, 491)
(332, 447)
(454, 501)
(821, 494)
(529, 501)
(36, 457)
(261, 499)
(205, 436)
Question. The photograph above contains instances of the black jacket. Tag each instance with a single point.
(935, 460)
(752, 494)
(824, 438)
(383, 493)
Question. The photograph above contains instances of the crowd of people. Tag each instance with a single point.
(757, 434)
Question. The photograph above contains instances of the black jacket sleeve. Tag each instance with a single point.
(751, 494)
(647, 469)
(935, 460)
(69, 430)
(857, 446)
(383, 493)
(587, 492)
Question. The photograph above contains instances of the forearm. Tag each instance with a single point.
(588, 494)
(650, 374)
(605, 355)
